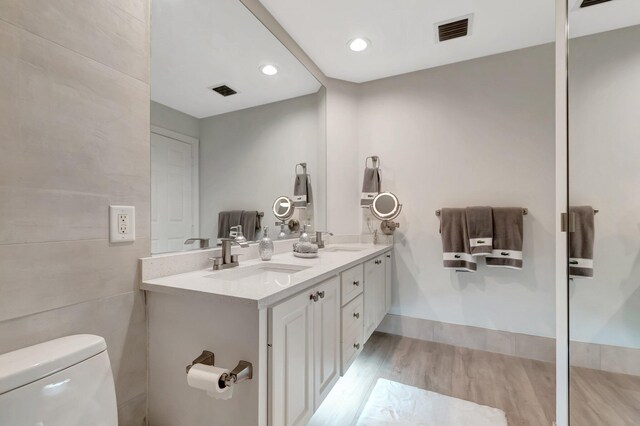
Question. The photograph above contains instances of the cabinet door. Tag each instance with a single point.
(387, 281)
(374, 294)
(291, 381)
(326, 334)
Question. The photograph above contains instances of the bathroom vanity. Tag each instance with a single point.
(300, 322)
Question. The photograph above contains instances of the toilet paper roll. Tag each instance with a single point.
(207, 378)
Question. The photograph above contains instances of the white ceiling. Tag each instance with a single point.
(403, 35)
(198, 44)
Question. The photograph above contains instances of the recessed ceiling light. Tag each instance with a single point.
(269, 69)
(358, 44)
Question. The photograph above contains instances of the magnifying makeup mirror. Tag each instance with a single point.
(283, 208)
(386, 207)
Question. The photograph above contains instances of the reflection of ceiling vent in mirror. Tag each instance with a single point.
(224, 90)
(587, 3)
(456, 28)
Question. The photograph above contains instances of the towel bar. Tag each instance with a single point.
(525, 211)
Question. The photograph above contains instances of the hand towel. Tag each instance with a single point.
(250, 221)
(302, 195)
(227, 219)
(370, 186)
(480, 229)
(456, 253)
(507, 238)
(581, 243)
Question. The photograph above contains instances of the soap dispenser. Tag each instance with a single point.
(265, 246)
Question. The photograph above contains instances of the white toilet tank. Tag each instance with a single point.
(63, 382)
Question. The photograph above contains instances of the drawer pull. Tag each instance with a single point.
(389, 256)
(314, 297)
(356, 283)
(377, 262)
(356, 345)
(321, 294)
(356, 315)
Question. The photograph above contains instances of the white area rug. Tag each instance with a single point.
(392, 403)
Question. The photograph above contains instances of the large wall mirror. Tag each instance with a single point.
(604, 178)
(232, 114)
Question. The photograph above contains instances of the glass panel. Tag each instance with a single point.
(604, 249)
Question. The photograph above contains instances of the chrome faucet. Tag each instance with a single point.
(319, 240)
(204, 242)
(226, 259)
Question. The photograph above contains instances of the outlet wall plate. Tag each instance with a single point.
(122, 224)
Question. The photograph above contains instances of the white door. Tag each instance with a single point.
(374, 294)
(172, 198)
(326, 333)
(291, 398)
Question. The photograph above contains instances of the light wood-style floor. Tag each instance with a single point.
(524, 389)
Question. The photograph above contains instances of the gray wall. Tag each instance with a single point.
(604, 152)
(248, 157)
(174, 120)
(74, 114)
(479, 132)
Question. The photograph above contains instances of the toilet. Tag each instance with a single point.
(62, 382)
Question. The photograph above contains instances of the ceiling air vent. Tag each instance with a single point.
(456, 28)
(224, 90)
(587, 3)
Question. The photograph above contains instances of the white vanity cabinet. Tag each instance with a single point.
(375, 291)
(305, 357)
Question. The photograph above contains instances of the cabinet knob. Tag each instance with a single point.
(356, 345)
(356, 315)
(314, 297)
(356, 283)
(321, 294)
(389, 256)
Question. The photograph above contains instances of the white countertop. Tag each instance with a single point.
(265, 294)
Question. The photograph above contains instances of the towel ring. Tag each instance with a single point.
(375, 162)
(304, 168)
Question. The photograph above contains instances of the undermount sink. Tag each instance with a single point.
(279, 273)
(339, 248)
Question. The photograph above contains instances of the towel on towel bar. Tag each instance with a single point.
(302, 191)
(226, 220)
(456, 253)
(581, 243)
(480, 229)
(370, 186)
(507, 238)
(250, 221)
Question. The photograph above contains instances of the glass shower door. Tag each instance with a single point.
(604, 220)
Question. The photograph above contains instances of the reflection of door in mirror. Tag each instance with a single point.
(604, 249)
(174, 199)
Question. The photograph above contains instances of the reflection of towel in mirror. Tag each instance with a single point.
(226, 220)
(456, 253)
(250, 222)
(370, 186)
(507, 238)
(302, 194)
(581, 243)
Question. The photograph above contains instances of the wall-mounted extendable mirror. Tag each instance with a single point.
(386, 207)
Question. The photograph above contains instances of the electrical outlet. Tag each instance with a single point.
(122, 226)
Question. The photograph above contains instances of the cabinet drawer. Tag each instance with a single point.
(353, 315)
(352, 345)
(352, 283)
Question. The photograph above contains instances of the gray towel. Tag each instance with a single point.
(250, 222)
(370, 186)
(226, 220)
(581, 243)
(507, 238)
(480, 229)
(302, 195)
(456, 253)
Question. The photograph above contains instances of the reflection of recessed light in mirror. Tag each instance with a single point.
(358, 44)
(269, 70)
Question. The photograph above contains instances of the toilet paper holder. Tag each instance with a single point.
(243, 371)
